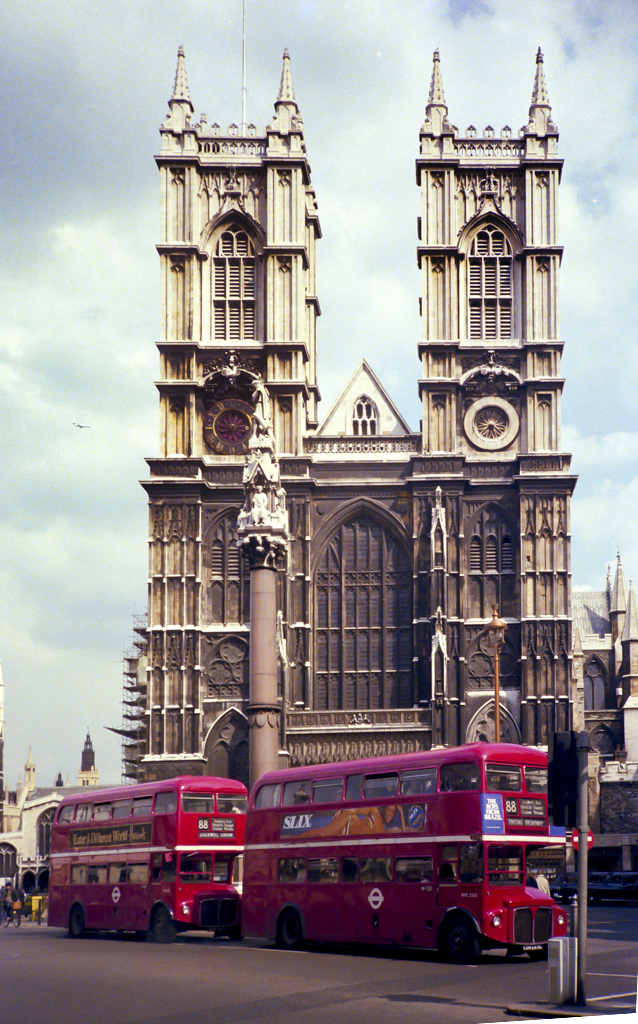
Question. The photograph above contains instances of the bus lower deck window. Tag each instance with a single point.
(197, 867)
(414, 869)
(117, 873)
(222, 867)
(349, 869)
(505, 865)
(375, 869)
(292, 869)
(138, 873)
(323, 869)
(97, 874)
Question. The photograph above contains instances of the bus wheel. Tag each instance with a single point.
(162, 928)
(289, 932)
(460, 942)
(76, 922)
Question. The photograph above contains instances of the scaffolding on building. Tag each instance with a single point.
(134, 729)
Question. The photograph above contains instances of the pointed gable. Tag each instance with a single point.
(364, 407)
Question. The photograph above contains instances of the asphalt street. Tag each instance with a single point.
(105, 979)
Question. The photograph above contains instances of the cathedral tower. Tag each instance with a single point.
(239, 229)
(491, 390)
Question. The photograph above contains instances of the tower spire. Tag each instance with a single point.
(286, 108)
(436, 83)
(180, 106)
(540, 112)
(180, 88)
(436, 113)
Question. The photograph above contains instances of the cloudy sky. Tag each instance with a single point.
(84, 89)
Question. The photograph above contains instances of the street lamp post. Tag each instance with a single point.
(496, 630)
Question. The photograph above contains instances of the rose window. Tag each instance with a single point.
(491, 423)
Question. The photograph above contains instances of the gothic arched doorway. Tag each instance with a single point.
(226, 747)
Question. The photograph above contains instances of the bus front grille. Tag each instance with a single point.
(217, 913)
(543, 924)
(523, 926)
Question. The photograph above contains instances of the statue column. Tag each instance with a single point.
(262, 535)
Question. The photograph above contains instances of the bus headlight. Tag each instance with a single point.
(186, 910)
(497, 920)
(561, 919)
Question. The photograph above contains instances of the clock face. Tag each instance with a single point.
(227, 426)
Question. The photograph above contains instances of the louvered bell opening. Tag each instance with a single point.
(482, 244)
(490, 277)
(505, 277)
(475, 320)
(490, 320)
(505, 320)
(220, 279)
(249, 320)
(475, 277)
(220, 321)
(475, 555)
(491, 556)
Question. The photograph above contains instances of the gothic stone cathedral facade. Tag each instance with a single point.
(399, 543)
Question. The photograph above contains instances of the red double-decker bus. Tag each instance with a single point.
(427, 850)
(155, 858)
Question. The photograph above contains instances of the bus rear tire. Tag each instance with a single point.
(460, 942)
(289, 930)
(162, 928)
(76, 922)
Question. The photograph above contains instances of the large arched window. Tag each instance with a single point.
(44, 832)
(227, 582)
(363, 638)
(8, 860)
(490, 285)
(234, 286)
(594, 683)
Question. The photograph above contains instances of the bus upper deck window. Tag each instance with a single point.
(503, 778)
(231, 803)
(84, 812)
(142, 806)
(327, 791)
(66, 814)
(422, 780)
(166, 803)
(459, 777)
(121, 808)
(353, 787)
(377, 786)
(297, 792)
(536, 780)
(269, 795)
(198, 803)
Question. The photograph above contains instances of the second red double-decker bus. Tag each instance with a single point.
(155, 858)
(428, 850)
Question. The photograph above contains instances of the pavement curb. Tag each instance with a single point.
(542, 1010)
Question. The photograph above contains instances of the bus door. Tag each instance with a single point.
(415, 899)
(460, 878)
(374, 901)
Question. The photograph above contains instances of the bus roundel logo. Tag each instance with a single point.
(375, 899)
(416, 816)
(115, 895)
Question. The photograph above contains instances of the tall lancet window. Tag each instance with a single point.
(490, 285)
(234, 286)
(364, 416)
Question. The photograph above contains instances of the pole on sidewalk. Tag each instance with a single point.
(582, 746)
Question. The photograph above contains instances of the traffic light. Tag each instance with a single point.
(562, 783)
